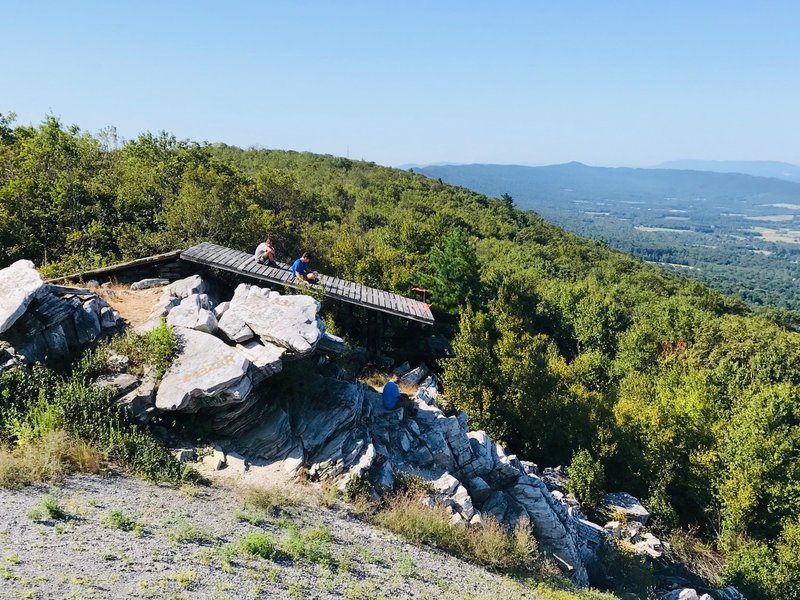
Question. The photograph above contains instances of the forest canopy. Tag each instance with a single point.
(682, 396)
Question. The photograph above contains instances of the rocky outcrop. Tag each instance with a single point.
(290, 322)
(19, 285)
(206, 373)
(39, 322)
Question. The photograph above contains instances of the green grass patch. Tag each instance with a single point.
(116, 519)
(49, 508)
(262, 545)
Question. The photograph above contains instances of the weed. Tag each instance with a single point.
(185, 579)
(406, 566)
(250, 516)
(263, 545)
(12, 559)
(488, 545)
(116, 519)
(184, 531)
(49, 508)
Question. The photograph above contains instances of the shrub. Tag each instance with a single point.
(263, 545)
(586, 479)
(156, 348)
(36, 404)
(49, 508)
(117, 519)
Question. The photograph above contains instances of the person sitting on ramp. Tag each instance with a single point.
(300, 270)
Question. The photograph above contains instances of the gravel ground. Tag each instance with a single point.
(184, 547)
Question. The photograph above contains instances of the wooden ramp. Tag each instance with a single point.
(242, 263)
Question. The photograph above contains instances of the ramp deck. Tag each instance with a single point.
(242, 263)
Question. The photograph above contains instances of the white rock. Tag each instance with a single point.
(687, 594)
(220, 309)
(20, 283)
(188, 286)
(206, 373)
(622, 502)
(445, 484)
(287, 321)
(152, 282)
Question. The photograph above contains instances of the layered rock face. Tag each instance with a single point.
(39, 321)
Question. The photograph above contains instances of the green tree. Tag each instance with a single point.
(455, 277)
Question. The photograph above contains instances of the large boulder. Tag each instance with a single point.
(207, 372)
(19, 285)
(287, 321)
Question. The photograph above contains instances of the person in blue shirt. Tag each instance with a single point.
(300, 269)
(393, 398)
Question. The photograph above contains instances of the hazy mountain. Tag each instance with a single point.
(759, 168)
(531, 185)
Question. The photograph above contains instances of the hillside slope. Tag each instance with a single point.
(732, 231)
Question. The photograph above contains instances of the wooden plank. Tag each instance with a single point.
(334, 287)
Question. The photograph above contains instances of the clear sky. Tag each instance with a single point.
(530, 82)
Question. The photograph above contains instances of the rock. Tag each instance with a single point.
(729, 593)
(145, 284)
(649, 545)
(20, 283)
(482, 449)
(687, 594)
(457, 440)
(428, 390)
(185, 455)
(555, 478)
(87, 321)
(415, 376)
(476, 519)
(119, 384)
(188, 286)
(55, 341)
(613, 528)
(215, 460)
(141, 402)
(265, 359)
(706, 597)
(332, 344)
(92, 283)
(624, 504)
(478, 489)
(445, 484)
(463, 502)
(207, 372)
(287, 321)
(384, 481)
(220, 309)
(437, 445)
(108, 317)
(193, 313)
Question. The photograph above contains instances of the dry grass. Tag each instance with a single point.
(270, 499)
(488, 545)
(377, 379)
(686, 548)
(134, 306)
(46, 458)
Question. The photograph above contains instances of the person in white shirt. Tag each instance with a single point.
(265, 253)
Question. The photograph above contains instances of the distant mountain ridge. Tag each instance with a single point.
(758, 168)
(574, 180)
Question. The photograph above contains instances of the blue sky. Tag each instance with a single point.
(606, 83)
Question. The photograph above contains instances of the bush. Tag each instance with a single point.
(263, 545)
(586, 479)
(155, 349)
(36, 404)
